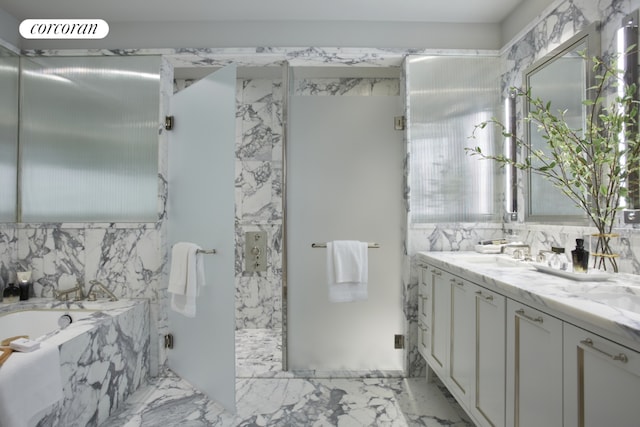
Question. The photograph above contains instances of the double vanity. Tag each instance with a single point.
(520, 347)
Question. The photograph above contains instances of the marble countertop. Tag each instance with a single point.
(606, 307)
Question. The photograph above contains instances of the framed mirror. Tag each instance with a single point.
(561, 78)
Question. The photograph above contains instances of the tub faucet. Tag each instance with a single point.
(91, 295)
(64, 295)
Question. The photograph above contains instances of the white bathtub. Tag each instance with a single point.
(104, 352)
(36, 323)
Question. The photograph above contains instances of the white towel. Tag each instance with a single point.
(30, 383)
(347, 270)
(185, 278)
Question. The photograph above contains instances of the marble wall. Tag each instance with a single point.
(130, 258)
(134, 256)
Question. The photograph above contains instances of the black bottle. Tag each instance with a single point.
(580, 257)
(24, 291)
(11, 294)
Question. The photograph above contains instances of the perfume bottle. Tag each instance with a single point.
(11, 294)
(580, 257)
(558, 260)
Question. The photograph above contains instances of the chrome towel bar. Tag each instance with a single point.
(206, 251)
(324, 245)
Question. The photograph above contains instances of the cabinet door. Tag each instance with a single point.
(534, 367)
(424, 297)
(424, 313)
(602, 381)
(462, 332)
(489, 394)
(438, 321)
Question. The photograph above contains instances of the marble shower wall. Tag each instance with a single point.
(259, 199)
(259, 181)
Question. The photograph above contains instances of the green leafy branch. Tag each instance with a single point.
(591, 165)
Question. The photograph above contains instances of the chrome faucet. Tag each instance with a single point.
(64, 295)
(91, 295)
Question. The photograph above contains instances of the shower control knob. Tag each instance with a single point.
(255, 250)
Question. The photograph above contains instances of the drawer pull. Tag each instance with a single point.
(521, 313)
(485, 297)
(620, 357)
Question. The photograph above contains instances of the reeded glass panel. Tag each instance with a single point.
(9, 77)
(89, 136)
(448, 96)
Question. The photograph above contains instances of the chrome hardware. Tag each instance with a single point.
(64, 295)
(621, 357)
(168, 341)
(522, 314)
(206, 251)
(102, 288)
(371, 245)
(485, 297)
(255, 251)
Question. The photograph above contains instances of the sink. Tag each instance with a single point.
(492, 260)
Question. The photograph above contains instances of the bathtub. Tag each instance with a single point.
(104, 352)
(37, 323)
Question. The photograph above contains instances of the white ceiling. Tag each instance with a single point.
(113, 11)
(419, 24)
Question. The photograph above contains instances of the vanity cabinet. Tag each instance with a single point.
(461, 335)
(534, 367)
(509, 364)
(601, 381)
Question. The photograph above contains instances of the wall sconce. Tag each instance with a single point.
(511, 197)
(628, 50)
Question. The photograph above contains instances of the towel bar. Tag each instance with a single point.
(324, 245)
(206, 251)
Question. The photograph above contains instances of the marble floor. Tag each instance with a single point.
(266, 396)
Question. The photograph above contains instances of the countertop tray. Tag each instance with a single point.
(590, 276)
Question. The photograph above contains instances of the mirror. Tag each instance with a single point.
(562, 78)
(9, 79)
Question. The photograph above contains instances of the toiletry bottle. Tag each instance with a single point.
(11, 294)
(24, 291)
(580, 257)
(25, 284)
(558, 260)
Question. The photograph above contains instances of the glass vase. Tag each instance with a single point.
(603, 251)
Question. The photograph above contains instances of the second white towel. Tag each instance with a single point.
(347, 270)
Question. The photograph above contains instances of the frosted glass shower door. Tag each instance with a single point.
(201, 210)
(344, 182)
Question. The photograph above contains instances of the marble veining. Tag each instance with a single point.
(104, 357)
(295, 402)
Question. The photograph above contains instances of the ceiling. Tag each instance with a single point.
(443, 11)
(382, 24)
